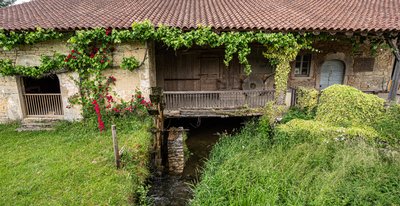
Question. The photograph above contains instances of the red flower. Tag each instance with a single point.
(73, 51)
(97, 109)
(109, 98)
(108, 31)
(112, 78)
(102, 61)
(116, 110)
(91, 55)
(139, 96)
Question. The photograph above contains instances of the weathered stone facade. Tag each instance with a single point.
(376, 80)
(11, 99)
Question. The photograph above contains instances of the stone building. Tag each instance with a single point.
(199, 72)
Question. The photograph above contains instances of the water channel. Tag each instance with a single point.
(202, 135)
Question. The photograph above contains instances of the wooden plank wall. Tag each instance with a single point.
(202, 69)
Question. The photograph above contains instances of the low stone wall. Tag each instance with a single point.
(29, 55)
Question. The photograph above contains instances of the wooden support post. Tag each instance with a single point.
(392, 97)
(115, 144)
(159, 137)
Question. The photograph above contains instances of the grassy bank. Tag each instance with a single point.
(342, 148)
(73, 165)
(250, 169)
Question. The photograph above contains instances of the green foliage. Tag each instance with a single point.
(388, 124)
(271, 113)
(297, 113)
(10, 40)
(73, 165)
(4, 3)
(130, 63)
(297, 131)
(91, 49)
(248, 169)
(48, 65)
(307, 99)
(344, 105)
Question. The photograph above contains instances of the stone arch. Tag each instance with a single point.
(346, 59)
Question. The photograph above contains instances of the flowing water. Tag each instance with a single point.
(202, 135)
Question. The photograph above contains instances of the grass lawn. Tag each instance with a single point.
(72, 165)
(250, 169)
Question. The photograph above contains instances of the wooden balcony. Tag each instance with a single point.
(216, 103)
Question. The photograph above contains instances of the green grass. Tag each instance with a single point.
(250, 169)
(73, 165)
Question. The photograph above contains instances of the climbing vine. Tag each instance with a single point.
(12, 39)
(91, 50)
(130, 63)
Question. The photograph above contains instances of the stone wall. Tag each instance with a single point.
(10, 105)
(176, 154)
(375, 80)
(29, 55)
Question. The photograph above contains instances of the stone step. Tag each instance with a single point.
(40, 120)
(38, 124)
(23, 129)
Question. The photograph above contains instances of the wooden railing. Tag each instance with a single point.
(175, 100)
(43, 104)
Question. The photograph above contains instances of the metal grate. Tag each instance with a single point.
(43, 104)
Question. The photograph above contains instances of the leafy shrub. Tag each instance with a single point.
(344, 106)
(297, 131)
(130, 63)
(271, 113)
(297, 113)
(388, 125)
(307, 99)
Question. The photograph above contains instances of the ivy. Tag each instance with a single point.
(10, 40)
(48, 65)
(91, 50)
(130, 63)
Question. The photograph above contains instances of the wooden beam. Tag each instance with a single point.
(394, 44)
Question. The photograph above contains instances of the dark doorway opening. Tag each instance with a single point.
(48, 84)
(42, 97)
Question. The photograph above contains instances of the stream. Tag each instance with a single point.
(202, 135)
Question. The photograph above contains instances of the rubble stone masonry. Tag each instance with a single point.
(11, 107)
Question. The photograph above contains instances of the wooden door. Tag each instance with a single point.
(332, 72)
(210, 70)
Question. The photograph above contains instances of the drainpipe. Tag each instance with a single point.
(394, 44)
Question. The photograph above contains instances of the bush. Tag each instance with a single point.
(297, 113)
(298, 131)
(307, 99)
(388, 124)
(345, 106)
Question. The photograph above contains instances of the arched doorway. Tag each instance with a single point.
(332, 72)
(42, 97)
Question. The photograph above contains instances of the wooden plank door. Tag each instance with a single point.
(210, 69)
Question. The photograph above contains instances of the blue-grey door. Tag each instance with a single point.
(332, 72)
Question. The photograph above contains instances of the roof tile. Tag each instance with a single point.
(339, 15)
